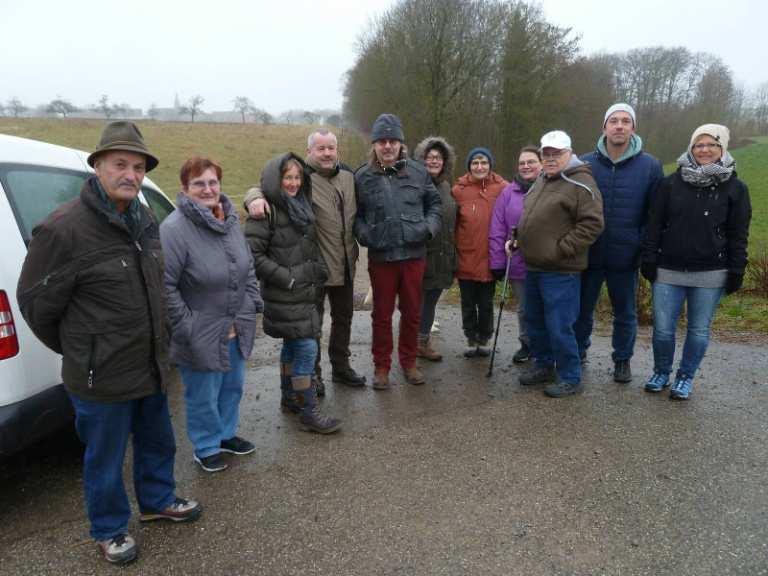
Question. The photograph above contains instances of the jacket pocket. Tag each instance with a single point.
(414, 228)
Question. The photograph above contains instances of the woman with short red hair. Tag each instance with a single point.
(213, 298)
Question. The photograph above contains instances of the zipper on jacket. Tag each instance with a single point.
(91, 360)
(138, 246)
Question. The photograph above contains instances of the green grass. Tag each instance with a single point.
(241, 149)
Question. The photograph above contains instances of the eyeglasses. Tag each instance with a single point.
(553, 155)
(707, 146)
(201, 184)
(528, 163)
(479, 163)
(433, 158)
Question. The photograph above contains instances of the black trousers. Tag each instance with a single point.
(341, 303)
(477, 309)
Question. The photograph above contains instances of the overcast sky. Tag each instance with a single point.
(293, 53)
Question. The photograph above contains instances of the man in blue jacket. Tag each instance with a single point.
(626, 177)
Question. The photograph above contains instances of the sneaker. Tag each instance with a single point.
(414, 376)
(681, 389)
(657, 382)
(318, 385)
(559, 389)
(212, 463)
(348, 377)
(181, 510)
(119, 550)
(522, 355)
(471, 350)
(483, 349)
(539, 375)
(622, 373)
(237, 445)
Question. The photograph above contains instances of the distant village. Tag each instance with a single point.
(242, 112)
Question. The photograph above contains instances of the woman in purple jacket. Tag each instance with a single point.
(506, 215)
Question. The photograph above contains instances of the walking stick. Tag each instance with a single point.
(498, 320)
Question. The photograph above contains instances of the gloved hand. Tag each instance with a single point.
(649, 271)
(498, 274)
(733, 282)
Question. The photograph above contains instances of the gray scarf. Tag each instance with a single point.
(299, 210)
(708, 174)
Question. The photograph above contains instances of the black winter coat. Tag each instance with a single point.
(96, 296)
(287, 261)
(698, 229)
(398, 210)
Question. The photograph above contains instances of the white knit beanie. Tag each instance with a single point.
(717, 131)
(620, 107)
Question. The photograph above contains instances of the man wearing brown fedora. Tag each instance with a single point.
(92, 290)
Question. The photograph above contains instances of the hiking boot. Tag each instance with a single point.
(657, 382)
(483, 348)
(414, 376)
(522, 355)
(559, 389)
(622, 373)
(311, 418)
(237, 445)
(681, 389)
(538, 375)
(348, 377)
(212, 463)
(471, 350)
(424, 349)
(381, 379)
(181, 510)
(287, 395)
(318, 385)
(119, 550)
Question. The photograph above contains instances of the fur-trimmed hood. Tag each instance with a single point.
(449, 155)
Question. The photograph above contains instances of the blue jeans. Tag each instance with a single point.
(104, 429)
(551, 308)
(667, 302)
(622, 291)
(300, 353)
(213, 403)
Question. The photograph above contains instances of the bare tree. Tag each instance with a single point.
(152, 111)
(104, 106)
(243, 106)
(193, 107)
(61, 107)
(261, 116)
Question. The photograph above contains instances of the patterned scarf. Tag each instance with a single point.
(708, 174)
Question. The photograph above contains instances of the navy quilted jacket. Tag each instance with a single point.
(626, 188)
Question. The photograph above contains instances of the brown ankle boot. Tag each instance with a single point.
(424, 349)
(414, 376)
(381, 379)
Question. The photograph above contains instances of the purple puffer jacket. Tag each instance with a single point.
(506, 215)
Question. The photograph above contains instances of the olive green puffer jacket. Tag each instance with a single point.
(287, 261)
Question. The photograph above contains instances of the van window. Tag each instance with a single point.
(36, 192)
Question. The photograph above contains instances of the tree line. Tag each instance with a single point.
(496, 73)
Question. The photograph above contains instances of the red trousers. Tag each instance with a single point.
(402, 281)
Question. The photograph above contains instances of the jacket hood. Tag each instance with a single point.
(634, 148)
(271, 178)
(449, 155)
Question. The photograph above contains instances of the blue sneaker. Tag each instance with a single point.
(657, 382)
(681, 389)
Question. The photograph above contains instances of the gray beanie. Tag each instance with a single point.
(387, 126)
(717, 131)
(620, 107)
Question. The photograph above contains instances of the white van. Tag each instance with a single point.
(35, 178)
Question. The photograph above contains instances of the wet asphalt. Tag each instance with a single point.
(464, 475)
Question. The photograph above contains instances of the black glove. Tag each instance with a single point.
(649, 270)
(733, 282)
(498, 274)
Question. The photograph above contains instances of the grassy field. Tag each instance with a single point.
(241, 149)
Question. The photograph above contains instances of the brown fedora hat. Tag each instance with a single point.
(124, 136)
